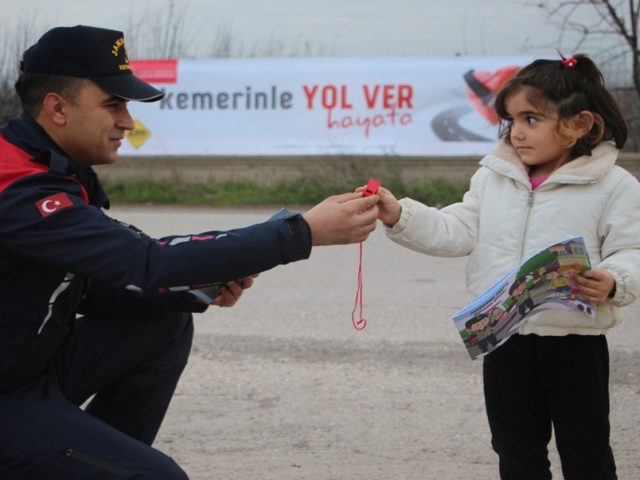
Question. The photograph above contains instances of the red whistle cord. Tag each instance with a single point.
(371, 189)
(361, 322)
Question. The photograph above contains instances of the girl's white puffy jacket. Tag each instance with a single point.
(501, 221)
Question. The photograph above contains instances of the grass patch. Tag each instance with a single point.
(300, 192)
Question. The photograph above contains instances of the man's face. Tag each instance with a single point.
(95, 126)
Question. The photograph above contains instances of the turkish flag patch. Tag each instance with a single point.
(53, 203)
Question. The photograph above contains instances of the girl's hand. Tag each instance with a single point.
(596, 285)
(389, 209)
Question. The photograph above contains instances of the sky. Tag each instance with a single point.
(353, 28)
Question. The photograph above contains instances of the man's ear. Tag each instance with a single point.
(54, 107)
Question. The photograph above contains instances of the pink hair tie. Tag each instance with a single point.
(569, 62)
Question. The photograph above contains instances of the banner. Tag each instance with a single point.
(326, 106)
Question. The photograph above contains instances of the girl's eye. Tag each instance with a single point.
(531, 120)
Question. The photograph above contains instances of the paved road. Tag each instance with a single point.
(282, 387)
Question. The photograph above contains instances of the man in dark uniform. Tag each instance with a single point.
(93, 311)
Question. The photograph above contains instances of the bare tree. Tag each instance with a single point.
(608, 29)
(161, 31)
(15, 37)
(167, 30)
(226, 44)
(223, 41)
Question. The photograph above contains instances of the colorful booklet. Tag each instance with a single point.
(543, 281)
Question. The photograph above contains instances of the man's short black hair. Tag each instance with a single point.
(33, 87)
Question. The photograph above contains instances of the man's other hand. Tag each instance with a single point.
(232, 291)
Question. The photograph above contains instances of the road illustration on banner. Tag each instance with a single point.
(446, 126)
(481, 88)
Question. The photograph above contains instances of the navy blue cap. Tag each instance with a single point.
(95, 53)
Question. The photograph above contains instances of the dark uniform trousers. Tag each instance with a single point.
(125, 371)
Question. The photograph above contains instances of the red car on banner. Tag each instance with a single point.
(482, 88)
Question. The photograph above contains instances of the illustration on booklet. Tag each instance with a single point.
(543, 281)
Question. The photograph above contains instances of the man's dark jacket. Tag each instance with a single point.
(60, 254)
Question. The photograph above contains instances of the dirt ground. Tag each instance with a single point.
(282, 387)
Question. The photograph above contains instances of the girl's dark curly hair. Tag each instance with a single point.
(567, 88)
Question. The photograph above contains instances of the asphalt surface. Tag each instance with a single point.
(282, 386)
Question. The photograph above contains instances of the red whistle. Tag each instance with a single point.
(371, 188)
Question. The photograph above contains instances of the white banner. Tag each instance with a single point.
(421, 107)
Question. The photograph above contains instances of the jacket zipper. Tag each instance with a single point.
(526, 223)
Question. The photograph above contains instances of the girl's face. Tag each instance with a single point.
(533, 136)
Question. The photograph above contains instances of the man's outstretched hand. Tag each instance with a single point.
(341, 219)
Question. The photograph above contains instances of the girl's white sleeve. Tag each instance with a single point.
(449, 232)
(619, 230)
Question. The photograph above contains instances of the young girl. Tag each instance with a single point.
(551, 177)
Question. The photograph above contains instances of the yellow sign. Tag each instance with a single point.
(139, 135)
